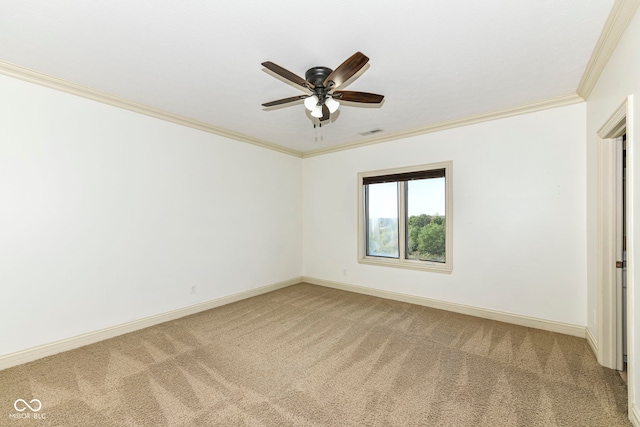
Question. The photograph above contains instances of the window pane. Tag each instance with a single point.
(426, 231)
(382, 220)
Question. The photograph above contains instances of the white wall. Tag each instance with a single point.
(519, 215)
(620, 78)
(108, 216)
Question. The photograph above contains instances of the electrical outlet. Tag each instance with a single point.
(344, 272)
(194, 289)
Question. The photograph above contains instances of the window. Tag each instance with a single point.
(405, 217)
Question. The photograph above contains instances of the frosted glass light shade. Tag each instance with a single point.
(317, 112)
(332, 105)
(311, 102)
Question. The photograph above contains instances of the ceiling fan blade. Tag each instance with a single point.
(364, 97)
(347, 69)
(287, 74)
(283, 101)
(325, 113)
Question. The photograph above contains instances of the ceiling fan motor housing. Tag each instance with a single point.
(317, 75)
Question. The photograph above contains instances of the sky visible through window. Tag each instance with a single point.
(426, 196)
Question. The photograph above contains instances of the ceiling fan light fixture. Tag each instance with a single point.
(317, 111)
(332, 105)
(311, 103)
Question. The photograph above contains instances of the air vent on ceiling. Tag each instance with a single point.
(367, 133)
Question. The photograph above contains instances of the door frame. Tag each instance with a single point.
(609, 309)
(608, 343)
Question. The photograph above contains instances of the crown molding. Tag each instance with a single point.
(614, 28)
(500, 114)
(31, 76)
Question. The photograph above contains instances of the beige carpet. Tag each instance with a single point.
(313, 356)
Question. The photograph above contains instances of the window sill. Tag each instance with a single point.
(436, 267)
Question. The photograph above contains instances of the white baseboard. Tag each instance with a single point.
(593, 342)
(516, 319)
(38, 352)
(634, 415)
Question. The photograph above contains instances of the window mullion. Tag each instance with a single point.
(402, 220)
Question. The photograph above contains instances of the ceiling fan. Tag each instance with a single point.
(322, 82)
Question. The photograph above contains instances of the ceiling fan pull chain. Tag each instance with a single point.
(318, 131)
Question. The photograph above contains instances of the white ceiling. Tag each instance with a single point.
(435, 61)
